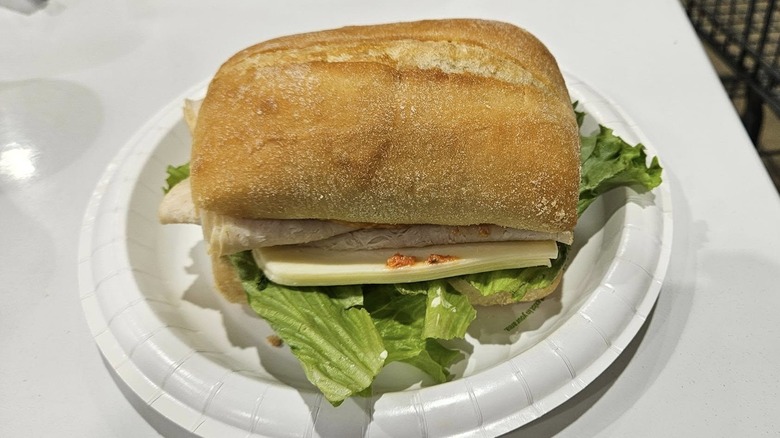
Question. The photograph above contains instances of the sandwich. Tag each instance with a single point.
(364, 188)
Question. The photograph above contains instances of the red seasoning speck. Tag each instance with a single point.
(399, 260)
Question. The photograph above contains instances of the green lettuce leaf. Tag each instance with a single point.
(176, 174)
(445, 313)
(337, 344)
(609, 162)
(402, 313)
(435, 360)
(448, 313)
(399, 318)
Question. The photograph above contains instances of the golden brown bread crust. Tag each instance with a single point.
(454, 122)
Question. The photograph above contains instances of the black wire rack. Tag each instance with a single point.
(745, 35)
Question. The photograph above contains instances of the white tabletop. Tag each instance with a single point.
(79, 77)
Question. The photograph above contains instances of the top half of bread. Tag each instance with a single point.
(453, 122)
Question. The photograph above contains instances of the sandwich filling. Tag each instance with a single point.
(313, 252)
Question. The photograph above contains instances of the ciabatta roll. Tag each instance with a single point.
(452, 123)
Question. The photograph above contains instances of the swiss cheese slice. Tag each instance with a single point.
(298, 265)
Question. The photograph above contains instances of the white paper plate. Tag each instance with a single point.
(206, 365)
